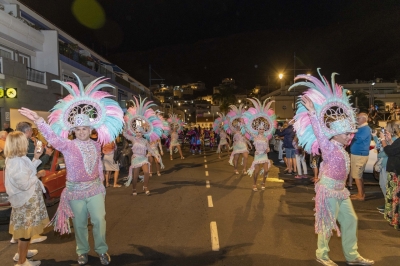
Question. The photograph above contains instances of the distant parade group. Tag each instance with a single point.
(324, 123)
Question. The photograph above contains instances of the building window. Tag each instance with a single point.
(6, 53)
(24, 59)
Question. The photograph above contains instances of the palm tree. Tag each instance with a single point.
(224, 97)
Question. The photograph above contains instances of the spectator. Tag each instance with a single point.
(3, 136)
(300, 159)
(25, 191)
(359, 150)
(380, 166)
(109, 164)
(288, 136)
(7, 128)
(392, 202)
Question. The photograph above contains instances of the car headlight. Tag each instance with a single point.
(3, 198)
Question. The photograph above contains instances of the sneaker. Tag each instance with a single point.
(281, 161)
(38, 240)
(30, 254)
(327, 262)
(13, 241)
(83, 259)
(105, 258)
(360, 261)
(381, 208)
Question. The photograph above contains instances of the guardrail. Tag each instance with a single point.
(35, 75)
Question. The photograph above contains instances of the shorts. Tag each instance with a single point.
(314, 160)
(357, 165)
(290, 153)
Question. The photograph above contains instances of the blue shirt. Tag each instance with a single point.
(361, 141)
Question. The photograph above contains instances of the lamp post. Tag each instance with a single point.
(371, 94)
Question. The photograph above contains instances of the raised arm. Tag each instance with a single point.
(323, 141)
(56, 141)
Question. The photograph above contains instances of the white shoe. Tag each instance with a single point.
(13, 241)
(327, 262)
(38, 240)
(30, 254)
(30, 263)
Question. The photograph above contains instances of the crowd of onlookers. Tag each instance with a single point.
(388, 163)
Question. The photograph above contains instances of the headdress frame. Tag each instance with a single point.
(175, 122)
(261, 113)
(234, 117)
(141, 117)
(105, 115)
(220, 122)
(333, 109)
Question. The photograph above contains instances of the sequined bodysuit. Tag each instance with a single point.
(260, 156)
(222, 140)
(332, 178)
(84, 172)
(239, 146)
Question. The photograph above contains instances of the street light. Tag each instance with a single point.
(280, 75)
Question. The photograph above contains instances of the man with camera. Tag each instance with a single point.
(359, 152)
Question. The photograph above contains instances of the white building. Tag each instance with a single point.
(33, 51)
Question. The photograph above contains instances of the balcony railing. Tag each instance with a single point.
(35, 75)
(84, 60)
(1, 65)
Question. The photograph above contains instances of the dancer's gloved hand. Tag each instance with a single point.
(308, 103)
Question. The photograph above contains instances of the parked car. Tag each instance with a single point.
(53, 181)
(372, 158)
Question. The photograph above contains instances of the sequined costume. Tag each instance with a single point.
(154, 147)
(140, 147)
(222, 140)
(84, 180)
(333, 174)
(239, 146)
(260, 156)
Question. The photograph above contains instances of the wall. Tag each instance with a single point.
(47, 61)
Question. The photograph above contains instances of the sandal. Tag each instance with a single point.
(255, 188)
(147, 191)
(262, 186)
(150, 174)
(117, 185)
(236, 172)
(107, 185)
(134, 193)
(158, 173)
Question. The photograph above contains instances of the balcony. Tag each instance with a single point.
(35, 76)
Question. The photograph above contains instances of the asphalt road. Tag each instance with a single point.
(173, 226)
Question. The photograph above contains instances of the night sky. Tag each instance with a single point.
(250, 41)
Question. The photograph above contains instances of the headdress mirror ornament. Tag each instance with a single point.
(333, 109)
(175, 122)
(87, 106)
(261, 116)
(234, 117)
(141, 118)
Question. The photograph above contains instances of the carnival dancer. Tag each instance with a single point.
(141, 126)
(84, 195)
(155, 145)
(218, 127)
(176, 128)
(236, 128)
(260, 123)
(326, 120)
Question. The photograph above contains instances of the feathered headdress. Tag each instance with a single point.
(141, 118)
(166, 129)
(235, 120)
(260, 116)
(87, 107)
(220, 122)
(175, 122)
(332, 107)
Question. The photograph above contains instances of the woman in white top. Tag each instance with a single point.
(25, 192)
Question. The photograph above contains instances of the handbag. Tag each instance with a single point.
(378, 165)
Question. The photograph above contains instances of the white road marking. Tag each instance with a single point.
(207, 183)
(205, 161)
(206, 173)
(204, 156)
(273, 179)
(205, 166)
(214, 236)
(210, 203)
